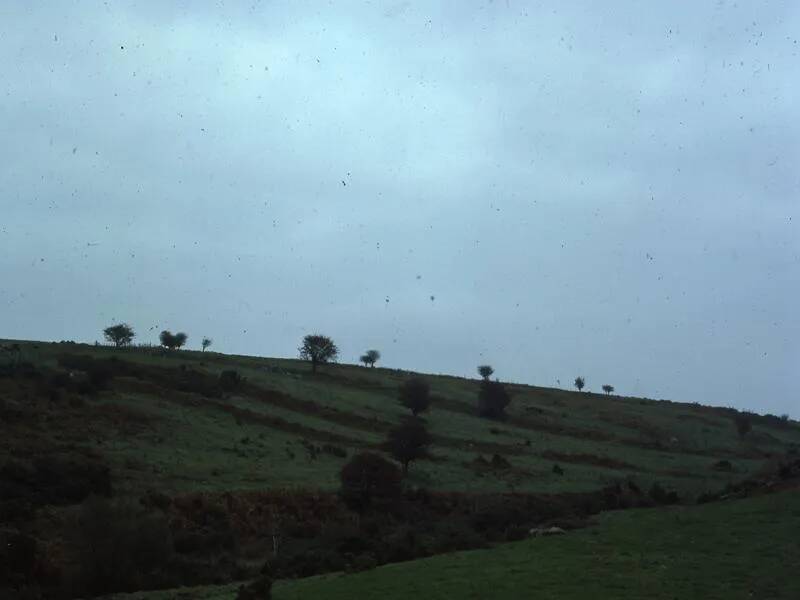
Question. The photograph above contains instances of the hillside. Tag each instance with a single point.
(736, 550)
(234, 475)
(154, 433)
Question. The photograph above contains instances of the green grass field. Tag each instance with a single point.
(740, 549)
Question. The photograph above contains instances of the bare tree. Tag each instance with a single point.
(119, 335)
(319, 349)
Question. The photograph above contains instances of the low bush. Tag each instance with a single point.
(493, 398)
(230, 380)
(369, 479)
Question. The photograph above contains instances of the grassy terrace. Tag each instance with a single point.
(255, 439)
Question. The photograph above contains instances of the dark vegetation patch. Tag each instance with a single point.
(783, 473)
(590, 459)
(195, 539)
(58, 480)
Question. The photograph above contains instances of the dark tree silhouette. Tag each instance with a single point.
(580, 382)
(119, 335)
(415, 394)
(180, 339)
(492, 400)
(743, 424)
(370, 357)
(408, 442)
(608, 389)
(206, 343)
(319, 349)
(172, 340)
(166, 338)
(368, 479)
(485, 371)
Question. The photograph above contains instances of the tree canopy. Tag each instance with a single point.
(172, 340)
(370, 357)
(319, 349)
(485, 371)
(119, 335)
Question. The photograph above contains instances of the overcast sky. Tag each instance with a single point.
(555, 188)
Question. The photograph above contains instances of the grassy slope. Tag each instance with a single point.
(184, 443)
(738, 549)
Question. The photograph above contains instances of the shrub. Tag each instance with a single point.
(230, 380)
(369, 479)
(415, 394)
(408, 442)
(492, 400)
